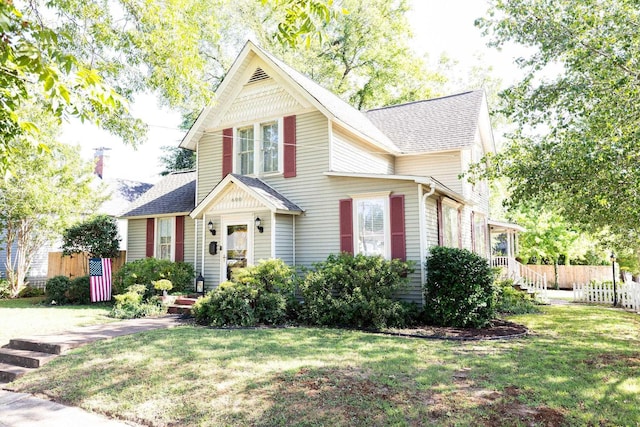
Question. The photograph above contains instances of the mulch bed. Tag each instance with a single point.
(497, 329)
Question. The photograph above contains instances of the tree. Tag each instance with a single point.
(41, 197)
(577, 147)
(96, 236)
(177, 159)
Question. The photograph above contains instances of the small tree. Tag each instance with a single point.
(97, 236)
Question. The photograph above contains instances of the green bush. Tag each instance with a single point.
(259, 294)
(356, 291)
(513, 301)
(131, 304)
(28, 292)
(56, 290)
(459, 291)
(5, 289)
(79, 291)
(148, 270)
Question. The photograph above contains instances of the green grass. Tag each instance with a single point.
(581, 366)
(27, 316)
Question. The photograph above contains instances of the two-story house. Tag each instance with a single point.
(286, 169)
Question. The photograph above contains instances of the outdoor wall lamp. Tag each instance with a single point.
(200, 284)
(615, 290)
(211, 229)
(259, 225)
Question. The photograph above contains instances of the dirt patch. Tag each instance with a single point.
(497, 329)
(607, 359)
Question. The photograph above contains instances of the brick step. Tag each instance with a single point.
(184, 309)
(25, 358)
(185, 301)
(9, 373)
(42, 347)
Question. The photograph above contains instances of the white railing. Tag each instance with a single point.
(523, 276)
(628, 294)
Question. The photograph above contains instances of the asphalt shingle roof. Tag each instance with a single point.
(431, 125)
(263, 189)
(173, 194)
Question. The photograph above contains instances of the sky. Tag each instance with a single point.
(438, 27)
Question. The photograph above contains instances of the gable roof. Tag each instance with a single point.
(260, 190)
(174, 194)
(324, 100)
(121, 193)
(435, 124)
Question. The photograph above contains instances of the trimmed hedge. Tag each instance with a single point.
(459, 291)
(56, 290)
(145, 271)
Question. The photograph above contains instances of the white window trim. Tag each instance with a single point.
(156, 237)
(384, 196)
(257, 147)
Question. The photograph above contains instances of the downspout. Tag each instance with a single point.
(424, 238)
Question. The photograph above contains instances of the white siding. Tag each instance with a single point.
(262, 241)
(284, 238)
(349, 155)
(137, 239)
(189, 239)
(209, 163)
(445, 167)
(465, 228)
(431, 217)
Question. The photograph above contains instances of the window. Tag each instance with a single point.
(270, 147)
(480, 235)
(165, 238)
(450, 225)
(258, 149)
(245, 150)
(371, 226)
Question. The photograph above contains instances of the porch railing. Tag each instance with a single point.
(523, 276)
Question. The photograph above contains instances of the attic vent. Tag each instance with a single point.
(258, 75)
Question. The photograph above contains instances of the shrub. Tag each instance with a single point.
(148, 270)
(259, 294)
(513, 301)
(5, 289)
(459, 290)
(56, 289)
(28, 292)
(356, 291)
(162, 285)
(131, 304)
(79, 291)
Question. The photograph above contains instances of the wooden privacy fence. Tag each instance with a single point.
(570, 274)
(77, 264)
(628, 293)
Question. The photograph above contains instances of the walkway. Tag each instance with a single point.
(24, 410)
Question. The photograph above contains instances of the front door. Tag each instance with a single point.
(236, 251)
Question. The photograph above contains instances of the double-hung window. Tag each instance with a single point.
(450, 224)
(371, 225)
(164, 249)
(245, 150)
(258, 149)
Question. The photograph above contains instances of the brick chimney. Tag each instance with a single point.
(100, 159)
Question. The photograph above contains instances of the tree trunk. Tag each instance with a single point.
(555, 273)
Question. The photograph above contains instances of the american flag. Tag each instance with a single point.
(100, 279)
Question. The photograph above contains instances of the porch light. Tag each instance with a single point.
(615, 290)
(259, 225)
(211, 229)
(200, 284)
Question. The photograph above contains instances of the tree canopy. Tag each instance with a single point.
(577, 147)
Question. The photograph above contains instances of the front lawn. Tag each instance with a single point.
(23, 317)
(581, 366)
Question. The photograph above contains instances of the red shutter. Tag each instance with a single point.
(227, 151)
(398, 239)
(289, 146)
(151, 222)
(440, 222)
(179, 239)
(346, 226)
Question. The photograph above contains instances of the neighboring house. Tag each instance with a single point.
(120, 192)
(286, 169)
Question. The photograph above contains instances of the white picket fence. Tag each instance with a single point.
(628, 294)
(523, 276)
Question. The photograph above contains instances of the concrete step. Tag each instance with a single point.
(25, 358)
(180, 309)
(35, 345)
(9, 373)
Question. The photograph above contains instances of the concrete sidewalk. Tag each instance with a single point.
(24, 410)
